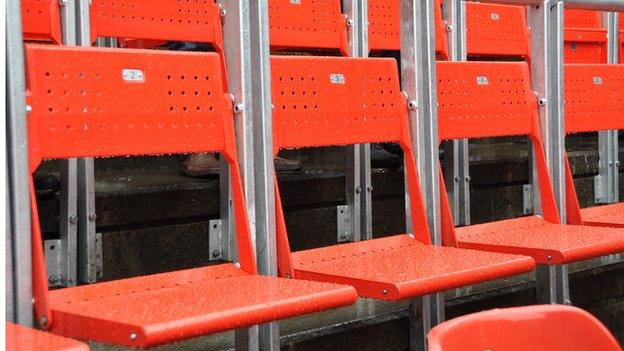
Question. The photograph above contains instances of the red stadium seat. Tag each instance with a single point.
(487, 99)
(323, 101)
(536, 328)
(593, 102)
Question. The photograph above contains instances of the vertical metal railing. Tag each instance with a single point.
(606, 184)
(89, 245)
(358, 191)
(68, 196)
(419, 83)
(261, 108)
(456, 156)
(18, 172)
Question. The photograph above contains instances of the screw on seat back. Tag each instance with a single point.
(497, 31)
(327, 101)
(41, 20)
(307, 25)
(384, 27)
(593, 102)
(545, 327)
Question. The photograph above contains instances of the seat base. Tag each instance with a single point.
(604, 216)
(162, 308)
(546, 242)
(400, 267)
(22, 338)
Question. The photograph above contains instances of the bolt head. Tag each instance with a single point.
(287, 276)
(28, 109)
(412, 105)
(92, 216)
(239, 108)
(216, 253)
(223, 12)
(43, 321)
(384, 291)
(73, 219)
(548, 257)
(350, 22)
(369, 188)
(133, 336)
(358, 189)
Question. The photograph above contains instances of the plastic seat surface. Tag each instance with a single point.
(84, 103)
(27, 339)
(542, 239)
(158, 308)
(604, 215)
(321, 101)
(537, 328)
(41, 20)
(399, 267)
(316, 24)
(497, 31)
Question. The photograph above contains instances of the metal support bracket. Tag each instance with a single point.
(218, 243)
(342, 222)
(527, 199)
(54, 255)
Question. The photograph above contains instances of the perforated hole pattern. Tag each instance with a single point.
(363, 104)
(384, 28)
(484, 100)
(41, 20)
(496, 30)
(82, 106)
(308, 24)
(593, 97)
(196, 20)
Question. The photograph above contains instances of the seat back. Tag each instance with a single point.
(318, 25)
(94, 102)
(585, 45)
(582, 19)
(326, 101)
(545, 327)
(593, 102)
(593, 97)
(384, 27)
(497, 31)
(198, 21)
(41, 20)
(490, 99)
(585, 38)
